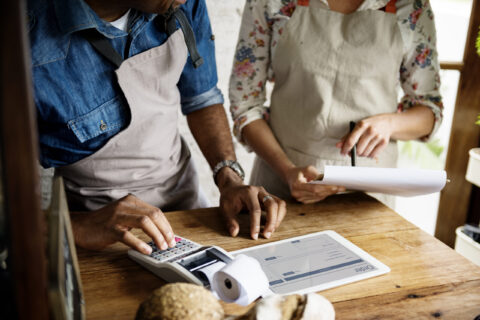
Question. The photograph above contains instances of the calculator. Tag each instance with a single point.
(182, 263)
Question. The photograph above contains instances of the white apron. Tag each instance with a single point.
(330, 68)
(149, 158)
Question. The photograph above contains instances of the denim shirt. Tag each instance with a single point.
(80, 105)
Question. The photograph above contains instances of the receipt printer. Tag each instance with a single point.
(186, 262)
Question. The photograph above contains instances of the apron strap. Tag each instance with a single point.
(103, 46)
(390, 7)
(188, 34)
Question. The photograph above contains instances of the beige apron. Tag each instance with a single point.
(330, 69)
(149, 158)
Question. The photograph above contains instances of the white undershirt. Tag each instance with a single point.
(121, 23)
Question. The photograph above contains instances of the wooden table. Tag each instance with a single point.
(427, 278)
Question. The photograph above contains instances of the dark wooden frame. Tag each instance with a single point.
(455, 199)
(25, 220)
(65, 288)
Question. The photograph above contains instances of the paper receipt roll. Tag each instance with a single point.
(241, 281)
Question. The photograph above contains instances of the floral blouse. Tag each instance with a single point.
(263, 23)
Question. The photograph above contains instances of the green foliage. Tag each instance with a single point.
(425, 155)
(478, 42)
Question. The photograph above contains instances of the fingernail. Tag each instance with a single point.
(255, 236)
(173, 243)
(146, 248)
(164, 246)
(268, 235)
(232, 231)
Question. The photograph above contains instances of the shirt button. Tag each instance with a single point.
(212, 37)
(103, 126)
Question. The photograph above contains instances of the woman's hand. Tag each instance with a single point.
(298, 178)
(371, 135)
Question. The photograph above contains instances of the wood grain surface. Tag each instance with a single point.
(427, 278)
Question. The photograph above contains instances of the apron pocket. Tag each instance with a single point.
(107, 119)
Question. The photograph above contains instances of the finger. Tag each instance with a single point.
(282, 211)
(271, 208)
(364, 140)
(299, 194)
(310, 173)
(371, 146)
(230, 219)
(314, 188)
(158, 218)
(380, 146)
(133, 242)
(353, 137)
(310, 200)
(146, 224)
(253, 206)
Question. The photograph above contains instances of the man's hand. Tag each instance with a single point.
(235, 196)
(302, 191)
(98, 229)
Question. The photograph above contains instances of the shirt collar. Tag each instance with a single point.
(73, 15)
(76, 15)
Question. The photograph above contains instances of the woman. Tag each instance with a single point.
(332, 62)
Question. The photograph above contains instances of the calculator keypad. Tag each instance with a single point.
(182, 247)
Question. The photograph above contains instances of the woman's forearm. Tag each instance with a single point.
(414, 123)
(261, 139)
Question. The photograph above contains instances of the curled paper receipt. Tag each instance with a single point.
(241, 281)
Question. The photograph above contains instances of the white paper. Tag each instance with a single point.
(241, 281)
(209, 271)
(395, 181)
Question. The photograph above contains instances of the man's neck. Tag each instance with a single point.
(108, 10)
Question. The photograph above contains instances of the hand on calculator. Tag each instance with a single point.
(101, 228)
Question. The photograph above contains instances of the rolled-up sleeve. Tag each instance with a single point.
(206, 99)
(198, 87)
(420, 70)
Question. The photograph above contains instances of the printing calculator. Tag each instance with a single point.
(182, 263)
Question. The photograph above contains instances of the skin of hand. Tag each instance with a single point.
(298, 178)
(259, 136)
(236, 197)
(216, 145)
(373, 134)
(98, 229)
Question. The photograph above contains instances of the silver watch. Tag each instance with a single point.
(232, 164)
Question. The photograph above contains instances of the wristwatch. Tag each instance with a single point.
(232, 164)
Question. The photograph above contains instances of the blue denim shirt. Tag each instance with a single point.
(80, 105)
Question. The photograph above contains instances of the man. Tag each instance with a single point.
(107, 96)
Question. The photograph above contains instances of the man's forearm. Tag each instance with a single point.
(210, 129)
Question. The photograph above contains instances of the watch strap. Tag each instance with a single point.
(232, 164)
